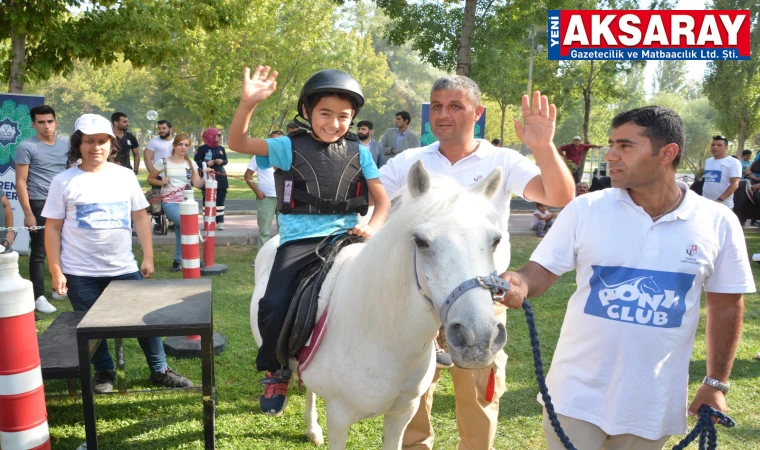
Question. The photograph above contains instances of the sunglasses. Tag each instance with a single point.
(717, 136)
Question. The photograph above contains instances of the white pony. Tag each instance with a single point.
(377, 355)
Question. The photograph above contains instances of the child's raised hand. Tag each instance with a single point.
(261, 85)
(364, 231)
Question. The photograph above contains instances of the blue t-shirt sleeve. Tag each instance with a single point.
(369, 168)
(280, 154)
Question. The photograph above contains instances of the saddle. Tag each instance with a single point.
(302, 314)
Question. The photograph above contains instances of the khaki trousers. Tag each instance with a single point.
(587, 436)
(476, 416)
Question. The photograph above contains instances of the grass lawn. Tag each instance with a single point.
(174, 420)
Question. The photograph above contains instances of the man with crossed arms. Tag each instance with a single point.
(454, 109)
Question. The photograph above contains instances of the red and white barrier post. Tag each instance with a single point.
(191, 245)
(190, 346)
(23, 417)
(209, 226)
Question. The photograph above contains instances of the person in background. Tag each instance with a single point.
(179, 171)
(266, 197)
(722, 173)
(396, 140)
(215, 157)
(291, 127)
(581, 188)
(97, 201)
(127, 142)
(746, 163)
(543, 219)
(496, 142)
(160, 146)
(574, 152)
(364, 130)
(39, 159)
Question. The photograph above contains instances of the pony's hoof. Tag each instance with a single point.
(315, 436)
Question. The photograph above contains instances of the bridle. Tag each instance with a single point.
(493, 283)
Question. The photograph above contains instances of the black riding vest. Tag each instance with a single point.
(324, 178)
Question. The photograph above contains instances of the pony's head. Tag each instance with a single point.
(452, 236)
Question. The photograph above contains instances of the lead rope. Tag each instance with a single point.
(705, 427)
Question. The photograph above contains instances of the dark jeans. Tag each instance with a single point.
(83, 292)
(37, 255)
(291, 257)
(221, 197)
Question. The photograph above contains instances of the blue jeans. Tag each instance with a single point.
(83, 292)
(172, 212)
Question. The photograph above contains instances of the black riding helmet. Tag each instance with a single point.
(332, 81)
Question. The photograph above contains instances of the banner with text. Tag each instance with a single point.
(15, 126)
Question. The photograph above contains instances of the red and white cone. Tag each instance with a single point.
(191, 244)
(209, 226)
(23, 417)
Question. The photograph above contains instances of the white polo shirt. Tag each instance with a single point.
(160, 147)
(718, 174)
(622, 360)
(266, 178)
(517, 171)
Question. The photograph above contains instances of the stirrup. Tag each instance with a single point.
(283, 375)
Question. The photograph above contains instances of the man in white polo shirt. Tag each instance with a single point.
(643, 251)
(266, 197)
(722, 173)
(454, 109)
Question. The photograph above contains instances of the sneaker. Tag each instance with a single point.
(275, 397)
(442, 359)
(57, 296)
(170, 379)
(220, 226)
(104, 380)
(44, 306)
(176, 266)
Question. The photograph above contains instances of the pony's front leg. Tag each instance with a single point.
(313, 430)
(394, 426)
(338, 423)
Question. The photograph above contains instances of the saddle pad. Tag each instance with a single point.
(312, 345)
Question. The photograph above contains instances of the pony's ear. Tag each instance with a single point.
(490, 185)
(418, 179)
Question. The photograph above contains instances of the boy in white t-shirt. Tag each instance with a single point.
(722, 173)
(643, 252)
(543, 219)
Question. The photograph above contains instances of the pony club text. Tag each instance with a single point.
(648, 35)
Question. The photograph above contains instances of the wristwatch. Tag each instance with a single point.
(723, 387)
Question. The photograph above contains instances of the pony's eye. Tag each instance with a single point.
(496, 243)
(421, 243)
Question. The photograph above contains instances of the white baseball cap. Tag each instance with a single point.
(93, 124)
(577, 137)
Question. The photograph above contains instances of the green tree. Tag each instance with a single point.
(47, 36)
(670, 76)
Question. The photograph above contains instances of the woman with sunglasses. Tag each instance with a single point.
(215, 157)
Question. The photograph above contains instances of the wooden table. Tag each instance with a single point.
(150, 308)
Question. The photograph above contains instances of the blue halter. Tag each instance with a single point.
(493, 283)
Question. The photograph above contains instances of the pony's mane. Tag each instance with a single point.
(390, 251)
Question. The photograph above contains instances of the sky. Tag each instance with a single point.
(694, 69)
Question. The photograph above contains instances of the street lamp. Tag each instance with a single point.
(152, 116)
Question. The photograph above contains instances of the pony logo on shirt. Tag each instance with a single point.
(103, 216)
(637, 296)
(712, 176)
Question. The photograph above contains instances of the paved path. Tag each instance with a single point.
(248, 206)
(243, 230)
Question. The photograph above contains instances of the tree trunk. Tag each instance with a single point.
(586, 115)
(18, 48)
(742, 133)
(464, 53)
(503, 116)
